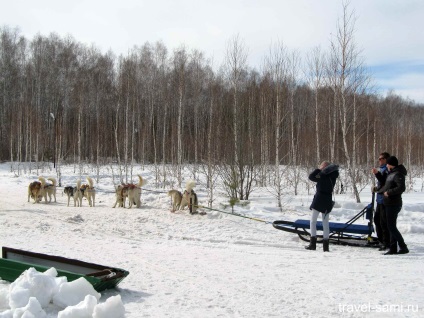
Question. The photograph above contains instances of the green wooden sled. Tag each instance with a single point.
(14, 262)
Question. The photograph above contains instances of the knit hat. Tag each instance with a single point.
(392, 160)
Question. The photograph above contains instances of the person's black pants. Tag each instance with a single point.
(380, 221)
(395, 236)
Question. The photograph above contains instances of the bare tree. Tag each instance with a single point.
(345, 58)
(236, 57)
(315, 73)
(180, 65)
(276, 67)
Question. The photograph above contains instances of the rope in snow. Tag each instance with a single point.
(154, 190)
(235, 214)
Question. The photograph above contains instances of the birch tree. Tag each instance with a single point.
(345, 56)
(276, 66)
(236, 173)
(315, 73)
(180, 64)
(293, 69)
(235, 62)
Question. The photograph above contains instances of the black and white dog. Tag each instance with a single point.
(189, 198)
(74, 192)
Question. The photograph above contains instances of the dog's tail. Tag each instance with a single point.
(190, 185)
(90, 182)
(53, 180)
(141, 181)
(78, 184)
(42, 180)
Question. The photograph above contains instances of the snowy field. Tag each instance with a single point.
(216, 265)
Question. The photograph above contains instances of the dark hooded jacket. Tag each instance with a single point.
(326, 180)
(395, 186)
(381, 176)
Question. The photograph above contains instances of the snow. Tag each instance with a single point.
(213, 265)
(72, 293)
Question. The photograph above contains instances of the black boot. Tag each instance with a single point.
(326, 245)
(403, 249)
(313, 244)
(392, 250)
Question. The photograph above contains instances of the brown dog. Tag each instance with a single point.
(121, 193)
(35, 191)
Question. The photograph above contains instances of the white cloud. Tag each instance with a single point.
(407, 85)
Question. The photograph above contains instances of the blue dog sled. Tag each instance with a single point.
(340, 233)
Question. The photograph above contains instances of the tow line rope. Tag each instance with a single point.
(144, 189)
(234, 214)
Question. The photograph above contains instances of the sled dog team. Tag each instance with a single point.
(38, 190)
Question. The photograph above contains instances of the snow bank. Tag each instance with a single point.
(31, 310)
(84, 309)
(33, 291)
(113, 307)
(70, 294)
(31, 284)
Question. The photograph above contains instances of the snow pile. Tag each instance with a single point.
(33, 291)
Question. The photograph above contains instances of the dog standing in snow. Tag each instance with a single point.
(134, 193)
(50, 189)
(130, 190)
(75, 193)
(89, 192)
(189, 197)
(121, 194)
(176, 198)
(36, 191)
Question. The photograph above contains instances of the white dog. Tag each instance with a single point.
(74, 192)
(50, 189)
(189, 197)
(134, 193)
(130, 190)
(176, 198)
(89, 192)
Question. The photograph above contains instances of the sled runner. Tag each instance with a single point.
(340, 233)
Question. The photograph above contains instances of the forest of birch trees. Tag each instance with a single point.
(64, 101)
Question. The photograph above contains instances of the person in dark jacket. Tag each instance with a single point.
(392, 191)
(380, 219)
(325, 177)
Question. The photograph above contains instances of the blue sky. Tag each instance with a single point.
(387, 31)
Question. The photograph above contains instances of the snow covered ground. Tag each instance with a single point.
(216, 265)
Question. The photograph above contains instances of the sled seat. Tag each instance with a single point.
(336, 227)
